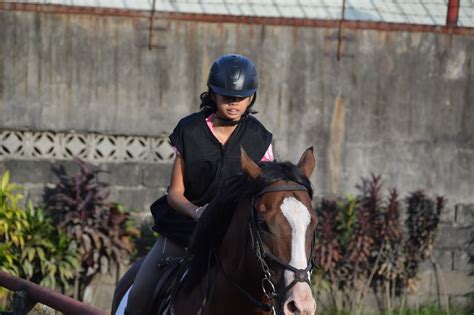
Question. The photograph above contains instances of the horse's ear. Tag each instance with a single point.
(248, 165)
(307, 162)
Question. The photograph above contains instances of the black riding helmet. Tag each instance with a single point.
(233, 75)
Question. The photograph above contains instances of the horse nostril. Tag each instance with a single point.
(290, 307)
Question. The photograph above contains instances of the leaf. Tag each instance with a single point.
(16, 240)
(9, 259)
(28, 269)
(96, 238)
(104, 264)
(74, 262)
(40, 253)
(52, 270)
(5, 179)
(31, 253)
(86, 242)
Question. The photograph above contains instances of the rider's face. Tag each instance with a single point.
(231, 107)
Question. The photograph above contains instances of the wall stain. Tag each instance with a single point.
(336, 142)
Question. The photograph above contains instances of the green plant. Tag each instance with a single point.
(48, 258)
(12, 226)
(78, 205)
(422, 224)
(360, 245)
(31, 246)
(13, 223)
(328, 244)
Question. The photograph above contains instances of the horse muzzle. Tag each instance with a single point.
(300, 300)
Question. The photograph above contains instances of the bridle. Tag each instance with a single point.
(268, 287)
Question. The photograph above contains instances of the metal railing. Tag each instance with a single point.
(28, 294)
(424, 12)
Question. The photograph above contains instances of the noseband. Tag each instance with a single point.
(268, 287)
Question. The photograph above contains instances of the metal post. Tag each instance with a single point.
(152, 17)
(339, 37)
(38, 294)
(453, 13)
(21, 303)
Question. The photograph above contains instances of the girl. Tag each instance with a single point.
(207, 145)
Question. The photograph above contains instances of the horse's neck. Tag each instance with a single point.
(236, 252)
(240, 269)
(239, 262)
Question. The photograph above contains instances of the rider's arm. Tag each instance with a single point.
(176, 198)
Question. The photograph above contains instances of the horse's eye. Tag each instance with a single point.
(262, 225)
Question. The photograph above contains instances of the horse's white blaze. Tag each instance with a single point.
(299, 218)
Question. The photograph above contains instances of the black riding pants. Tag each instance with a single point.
(139, 299)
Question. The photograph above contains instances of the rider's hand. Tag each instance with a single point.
(199, 211)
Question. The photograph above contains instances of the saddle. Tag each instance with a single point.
(168, 286)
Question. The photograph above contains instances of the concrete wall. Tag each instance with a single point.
(407, 97)
(400, 104)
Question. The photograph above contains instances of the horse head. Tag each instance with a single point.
(282, 227)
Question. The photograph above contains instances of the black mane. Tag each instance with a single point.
(214, 222)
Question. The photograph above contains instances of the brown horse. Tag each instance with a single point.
(252, 250)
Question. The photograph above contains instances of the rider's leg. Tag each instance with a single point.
(149, 275)
(125, 283)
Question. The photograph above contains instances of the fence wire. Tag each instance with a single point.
(428, 12)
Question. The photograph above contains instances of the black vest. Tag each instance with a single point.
(209, 165)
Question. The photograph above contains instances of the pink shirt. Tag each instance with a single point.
(267, 157)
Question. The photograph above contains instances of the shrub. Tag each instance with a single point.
(78, 205)
(13, 224)
(360, 244)
(31, 247)
(48, 258)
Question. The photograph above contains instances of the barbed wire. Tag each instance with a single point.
(429, 12)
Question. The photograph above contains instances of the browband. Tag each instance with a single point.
(280, 188)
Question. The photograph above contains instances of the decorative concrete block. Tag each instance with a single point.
(39, 144)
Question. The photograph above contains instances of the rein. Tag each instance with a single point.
(268, 287)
